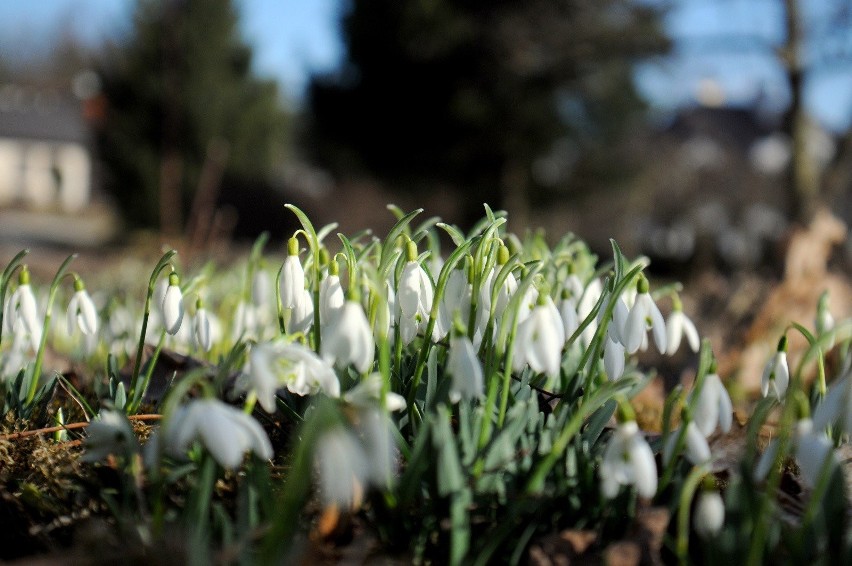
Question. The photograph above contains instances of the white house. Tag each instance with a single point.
(45, 157)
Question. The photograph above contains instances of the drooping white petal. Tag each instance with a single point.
(201, 328)
(331, 299)
(342, 466)
(635, 326)
(465, 369)
(836, 407)
(713, 406)
(658, 324)
(691, 334)
(645, 469)
(225, 431)
(368, 393)
(776, 376)
(261, 290)
(568, 314)
(674, 331)
(813, 450)
(540, 341)
(613, 358)
(628, 460)
(350, 340)
(292, 281)
(172, 309)
(696, 449)
(415, 292)
(709, 514)
(301, 314)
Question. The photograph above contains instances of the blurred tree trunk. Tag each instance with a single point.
(171, 165)
(804, 175)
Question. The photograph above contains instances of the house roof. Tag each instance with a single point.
(33, 113)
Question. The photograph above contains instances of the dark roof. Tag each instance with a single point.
(733, 127)
(41, 114)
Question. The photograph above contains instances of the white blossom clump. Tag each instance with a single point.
(81, 311)
(225, 431)
(274, 365)
(628, 460)
(350, 339)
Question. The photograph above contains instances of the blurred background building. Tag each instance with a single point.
(695, 131)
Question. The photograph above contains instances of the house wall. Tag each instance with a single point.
(44, 175)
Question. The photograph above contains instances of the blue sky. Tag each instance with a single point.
(291, 38)
(294, 38)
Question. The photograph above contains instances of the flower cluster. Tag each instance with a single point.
(441, 385)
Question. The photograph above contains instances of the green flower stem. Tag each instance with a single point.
(761, 528)
(693, 480)
(140, 348)
(815, 348)
(54, 286)
(4, 283)
(139, 394)
(198, 506)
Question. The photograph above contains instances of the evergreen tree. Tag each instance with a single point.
(471, 93)
(180, 90)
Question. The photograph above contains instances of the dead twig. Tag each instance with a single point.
(71, 426)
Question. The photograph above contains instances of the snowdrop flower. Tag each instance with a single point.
(696, 449)
(343, 468)
(713, 406)
(709, 514)
(331, 295)
(349, 340)
(617, 325)
(368, 394)
(643, 314)
(225, 431)
(677, 325)
(377, 430)
(111, 433)
(776, 374)
(836, 408)
(628, 460)
(587, 302)
(568, 314)
(292, 276)
(172, 305)
(813, 450)
(201, 326)
(539, 342)
(261, 290)
(613, 357)
(302, 315)
(464, 367)
(273, 365)
(414, 293)
(246, 326)
(454, 302)
(21, 311)
(81, 311)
